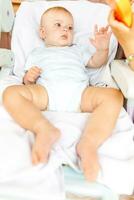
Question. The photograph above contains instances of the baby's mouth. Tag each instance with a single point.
(64, 37)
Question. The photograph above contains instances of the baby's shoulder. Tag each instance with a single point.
(37, 51)
(75, 48)
(79, 48)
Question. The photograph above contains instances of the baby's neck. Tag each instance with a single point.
(52, 45)
(49, 45)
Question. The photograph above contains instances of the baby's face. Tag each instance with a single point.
(57, 29)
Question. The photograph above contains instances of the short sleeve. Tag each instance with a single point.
(86, 52)
(32, 59)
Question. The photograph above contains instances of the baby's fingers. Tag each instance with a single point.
(95, 29)
(31, 79)
(109, 34)
(36, 69)
(34, 74)
(104, 29)
(92, 41)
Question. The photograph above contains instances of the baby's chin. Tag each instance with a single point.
(61, 43)
(65, 43)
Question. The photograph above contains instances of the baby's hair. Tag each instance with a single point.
(55, 9)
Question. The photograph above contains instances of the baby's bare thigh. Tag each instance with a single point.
(39, 95)
(94, 96)
(35, 93)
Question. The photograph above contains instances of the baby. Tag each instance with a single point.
(56, 72)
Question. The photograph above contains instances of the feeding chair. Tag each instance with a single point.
(124, 79)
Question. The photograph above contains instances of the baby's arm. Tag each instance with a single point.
(31, 75)
(101, 42)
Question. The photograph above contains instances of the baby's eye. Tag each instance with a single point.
(70, 28)
(58, 24)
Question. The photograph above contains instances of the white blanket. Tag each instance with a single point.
(19, 179)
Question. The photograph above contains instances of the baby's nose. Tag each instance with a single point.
(65, 28)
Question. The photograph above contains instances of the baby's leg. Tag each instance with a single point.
(105, 105)
(25, 103)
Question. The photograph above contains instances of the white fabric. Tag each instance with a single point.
(124, 77)
(19, 179)
(25, 34)
(63, 75)
(8, 81)
(60, 63)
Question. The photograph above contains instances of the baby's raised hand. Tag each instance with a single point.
(32, 75)
(101, 38)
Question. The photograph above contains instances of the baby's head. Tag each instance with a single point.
(56, 27)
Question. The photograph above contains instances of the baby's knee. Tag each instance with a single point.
(115, 95)
(8, 95)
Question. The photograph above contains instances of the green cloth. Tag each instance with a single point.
(6, 58)
(6, 15)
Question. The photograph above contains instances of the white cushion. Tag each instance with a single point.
(124, 77)
(25, 34)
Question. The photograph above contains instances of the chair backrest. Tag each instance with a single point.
(25, 33)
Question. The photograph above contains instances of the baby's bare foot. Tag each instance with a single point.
(89, 162)
(43, 143)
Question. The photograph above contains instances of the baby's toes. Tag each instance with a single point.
(91, 172)
(40, 155)
(44, 154)
(35, 159)
(90, 168)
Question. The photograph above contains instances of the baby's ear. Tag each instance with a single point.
(42, 33)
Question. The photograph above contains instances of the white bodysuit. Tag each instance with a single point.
(64, 74)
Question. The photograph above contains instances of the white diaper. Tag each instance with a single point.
(64, 97)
